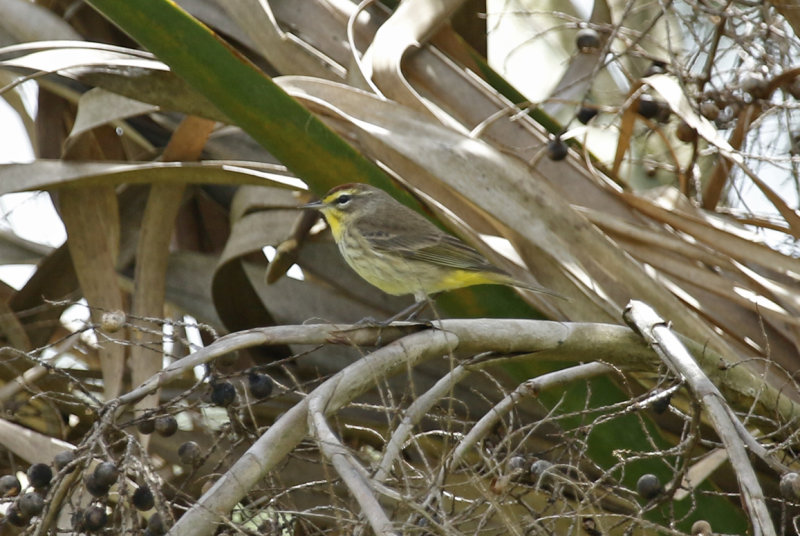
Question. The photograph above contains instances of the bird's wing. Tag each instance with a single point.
(436, 248)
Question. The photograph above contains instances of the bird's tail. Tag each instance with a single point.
(508, 280)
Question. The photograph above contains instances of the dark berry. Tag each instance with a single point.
(515, 464)
(648, 107)
(166, 426)
(664, 112)
(15, 517)
(31, 504)
(685, 133)
(64, 458)
(9, 486)
(106, 474)
(587, 40)
(709, 110)
(701, 527)
(790, 486)
(95, 518)
(260, 385)
(223, 394)
(189, 453)
(557, 149)
(648, 486)
(146, 426)
(539, 467)
(143, 498)
(40, 475)
(95, 488)
(586, 114)
(156, 525)
(660, 405)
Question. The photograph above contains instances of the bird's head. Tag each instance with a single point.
(348, 202)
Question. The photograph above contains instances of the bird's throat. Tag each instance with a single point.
(336, 226)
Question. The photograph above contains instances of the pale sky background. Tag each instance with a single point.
(30, 214)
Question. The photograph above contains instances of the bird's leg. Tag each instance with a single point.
(409, 313)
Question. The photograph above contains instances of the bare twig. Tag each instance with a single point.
(415, 412)
(528, 388)
(290, 429)
(518, 340)
(351, 472)
(658, 334)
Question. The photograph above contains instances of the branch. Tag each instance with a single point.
(271, 448)
(653, 329)
(530, 388)
(523, 340)
(351, 472)
(420, 407)
(415, 413)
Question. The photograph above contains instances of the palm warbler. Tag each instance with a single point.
(398, 250)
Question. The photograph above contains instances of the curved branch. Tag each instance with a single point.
(667, 345)
(289, 430)
(523, 340)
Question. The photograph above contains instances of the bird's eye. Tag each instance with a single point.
(343, 199)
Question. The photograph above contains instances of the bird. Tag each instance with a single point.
(399, 251)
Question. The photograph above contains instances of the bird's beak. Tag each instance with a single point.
(316, 205)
